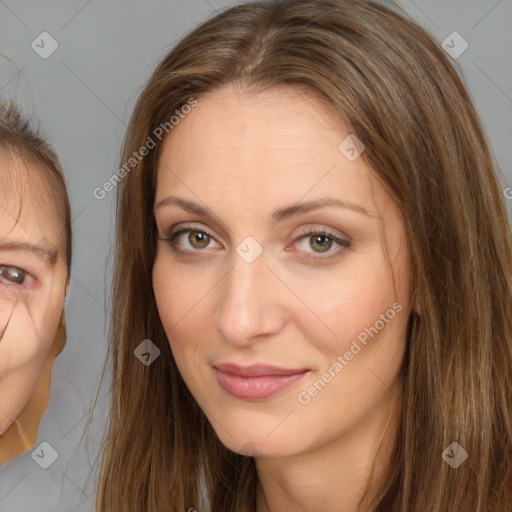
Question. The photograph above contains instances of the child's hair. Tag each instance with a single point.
(399, 93)
(18, 139)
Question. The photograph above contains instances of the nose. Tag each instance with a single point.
(251, 303)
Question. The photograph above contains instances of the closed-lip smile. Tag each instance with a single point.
(256, 382)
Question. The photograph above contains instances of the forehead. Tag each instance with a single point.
(281, 143)
(247, 118)
(27, 206)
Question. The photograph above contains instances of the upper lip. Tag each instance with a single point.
(256, 370)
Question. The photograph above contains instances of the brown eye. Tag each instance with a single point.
(12, 275)
(321, 242)
(198, 239)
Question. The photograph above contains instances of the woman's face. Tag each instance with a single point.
(33, 277)
(288, 338)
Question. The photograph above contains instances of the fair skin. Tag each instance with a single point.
(299, 305)
(33, 276)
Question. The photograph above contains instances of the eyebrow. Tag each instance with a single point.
(49, 255)
(277, 215)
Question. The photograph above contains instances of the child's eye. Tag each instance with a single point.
(12, 275)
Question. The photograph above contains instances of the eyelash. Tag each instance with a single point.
(344, 244)
(7, 282)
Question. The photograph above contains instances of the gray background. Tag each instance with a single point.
(83, 95)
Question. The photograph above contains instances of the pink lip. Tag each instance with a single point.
(256, 382)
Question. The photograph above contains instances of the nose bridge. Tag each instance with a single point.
(249, 301)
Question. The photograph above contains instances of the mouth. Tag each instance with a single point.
(256, 382)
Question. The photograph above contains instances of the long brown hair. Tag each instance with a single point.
(393, 85)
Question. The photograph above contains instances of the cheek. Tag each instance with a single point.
(28, 354)
(22, 361)
(164, 290)
(363, 350)
(6, 307)
(181, 292)
(8, 299)
(16, 388)
(184, 310)
(169, 298)
(348, 302)
(26, 344)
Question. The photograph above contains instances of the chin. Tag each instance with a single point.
(256, 443)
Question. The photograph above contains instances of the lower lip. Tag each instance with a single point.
(256, 388)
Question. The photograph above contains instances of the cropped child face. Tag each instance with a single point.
(33, 276)
(285, 320)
